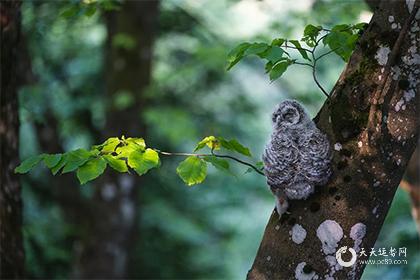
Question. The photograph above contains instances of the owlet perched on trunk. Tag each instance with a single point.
(297, 157)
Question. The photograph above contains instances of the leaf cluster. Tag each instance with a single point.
(123, 154)
(341, 39)
(119, 154)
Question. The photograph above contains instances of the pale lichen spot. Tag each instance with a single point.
(338, 146)
(301, 275)
(329, 233)
(298, 234)
(357, 232)
(382, 55)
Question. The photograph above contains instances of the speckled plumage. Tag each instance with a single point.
(297, 157)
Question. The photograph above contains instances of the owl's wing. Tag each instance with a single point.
(280, 159)
(315, 156)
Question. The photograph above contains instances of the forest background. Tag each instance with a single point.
(83, 85)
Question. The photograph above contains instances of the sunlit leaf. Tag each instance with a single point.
(210, 141)
(91, 170)
(110, 145)
(192, 170)
(117, 164)
(142, 162)
(138, 141)
(135, 145)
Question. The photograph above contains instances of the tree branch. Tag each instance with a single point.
(213, 154)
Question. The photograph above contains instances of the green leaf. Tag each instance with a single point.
(70, 12)
(52, 160)
(360, 26)
(61, 163)
(142, 162)
(279, 69)
(110, 145)
(90, 11)
(136, 141)
(234, 145)
(256, 48)
(236, 55)
(75, 159)
(135, 145)
(274, 54)
(278, 42)
(192, 170)
(310, 34)
(218, 163)
(211, 142)
(341, 42)
(91, 170)
(117, 164)
(301, 51)
(28, 164)
(268, 66)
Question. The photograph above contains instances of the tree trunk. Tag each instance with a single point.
(371, 120)
(112, 235)
(11, 247)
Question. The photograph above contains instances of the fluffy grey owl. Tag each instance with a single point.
(297, 157)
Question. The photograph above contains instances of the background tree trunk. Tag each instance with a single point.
(373, 115)
(11, 247)
(411, 184)
(111, 236)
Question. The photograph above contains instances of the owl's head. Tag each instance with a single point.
(289, 114)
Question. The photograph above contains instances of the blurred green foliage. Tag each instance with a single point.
(209, 231)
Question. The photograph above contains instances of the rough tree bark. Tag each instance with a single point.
(112, 233)
(371, 120)
(11, 247)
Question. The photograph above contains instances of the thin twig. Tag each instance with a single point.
(327, 53)
(315, 78)
(302, 63)
(290, 47)
(212, 154)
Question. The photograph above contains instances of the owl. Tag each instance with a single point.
(297, 156)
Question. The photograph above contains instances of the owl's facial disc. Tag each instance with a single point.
(289, 115)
